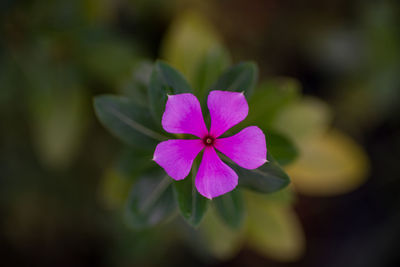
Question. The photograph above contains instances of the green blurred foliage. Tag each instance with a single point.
(132, 124)
(64, 180)
(192, 205)
(120, 116)
(56, 52)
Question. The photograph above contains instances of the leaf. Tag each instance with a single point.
(192, 205)
(132, 162)
(192, 45)
(268, 178)
(57, 107)
(126, 120)
(269, 98)
(329, 164)
(58, 120)
(222, 241)
(286, 195)
(151, 200)
(164, 80)
(303, 119)
(56, 102)
(230, 208)
(281, 147)
(241, 77)
(136, 88)
(274, 229)
(209, 67)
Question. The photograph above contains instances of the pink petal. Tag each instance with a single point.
(214, 178)
(246, 148)
(176, 156)
(226, 110)
(183, 116)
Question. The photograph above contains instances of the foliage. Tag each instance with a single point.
(293, 125)
(132, 124)
(55, 55)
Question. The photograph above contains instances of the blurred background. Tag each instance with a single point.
(56, 55)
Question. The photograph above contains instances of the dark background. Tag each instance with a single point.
(345, 52)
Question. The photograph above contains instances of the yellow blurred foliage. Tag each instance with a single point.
(329, 162)
(273, 228)
(188, 41)
(58, 122)
(222, 241)
(303, 119)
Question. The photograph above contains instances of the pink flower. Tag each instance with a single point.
(183, 116)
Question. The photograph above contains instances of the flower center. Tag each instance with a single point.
(208, 140)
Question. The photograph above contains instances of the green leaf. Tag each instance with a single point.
(286, 195)
(56, 101)
(127, 121)
(222, 241)
(192, 205)
(241, 77)
(58, 119)
(151, 200)
(136, 88)
(57, 107)
(230, 208)
(190, 41)
(269, 98)
(283, 149)
(329, 164)
(304, 119)
(132, 162)
(268, 178)
(209, 67)
(273, 228)
(165, 80)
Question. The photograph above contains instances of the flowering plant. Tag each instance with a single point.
(329, 163)
(170, 101)
(183, 116)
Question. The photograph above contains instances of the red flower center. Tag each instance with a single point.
(208, 140)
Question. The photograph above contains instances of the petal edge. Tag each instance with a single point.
(183, 115)
(226, 110)
(176, 156)
(214, 177)
(247, 148)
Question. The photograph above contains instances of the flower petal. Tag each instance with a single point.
(183, 116)
(176, 156)
(226, 110)
(246, 148)
(214, 178)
